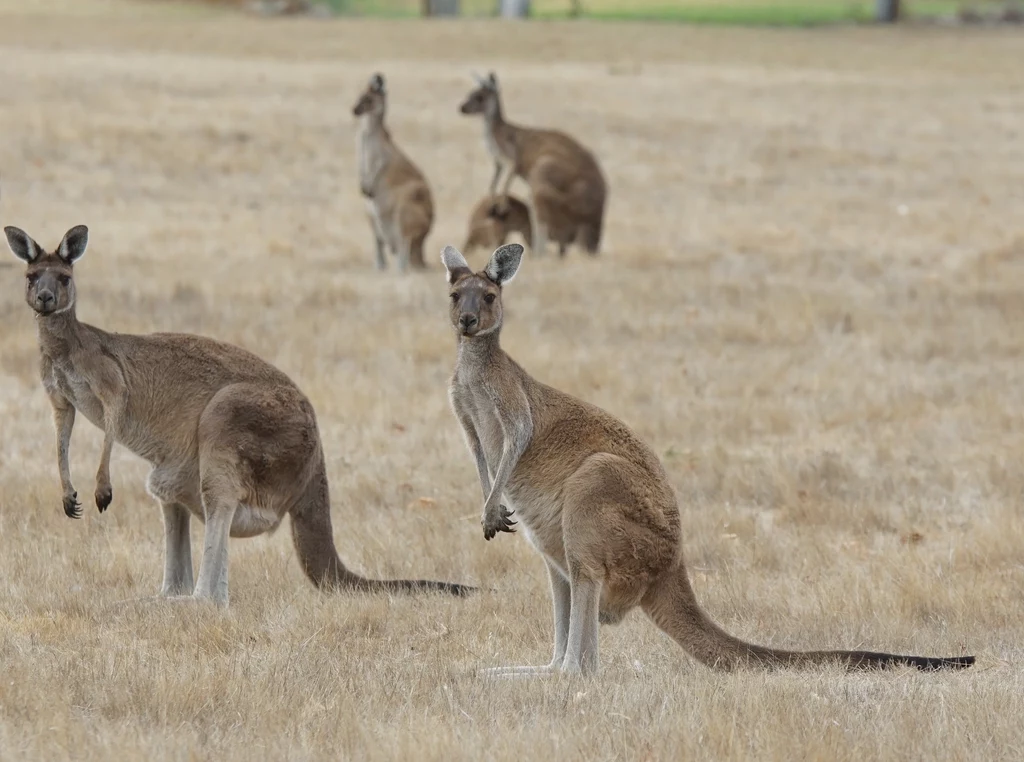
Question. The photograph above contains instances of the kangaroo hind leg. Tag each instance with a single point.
(257, 443)
(178, 578)
(560, 604)
(222, 492)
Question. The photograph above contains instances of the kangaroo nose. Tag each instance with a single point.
(45, 298)
(468, 321)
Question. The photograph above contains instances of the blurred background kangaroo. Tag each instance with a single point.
(397, 195)
(493, 219)
(567, 190)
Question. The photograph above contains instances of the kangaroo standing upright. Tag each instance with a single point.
(593, 498)
(567, 189)
(231, 439)
(398, 198)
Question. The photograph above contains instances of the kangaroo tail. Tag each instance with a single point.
(314, 542)
(671, 604)
(590, 234)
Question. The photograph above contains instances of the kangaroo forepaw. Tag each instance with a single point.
(499, 522)
(72, 508)
(104, 495)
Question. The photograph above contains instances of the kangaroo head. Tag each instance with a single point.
(374, 98)
(49, 280)
(484, 99)
(499, 210)
(475, 298)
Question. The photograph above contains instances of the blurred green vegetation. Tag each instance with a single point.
(735, 12)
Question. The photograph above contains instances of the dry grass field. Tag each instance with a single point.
(809, 301)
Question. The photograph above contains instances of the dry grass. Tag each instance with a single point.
(836, 387)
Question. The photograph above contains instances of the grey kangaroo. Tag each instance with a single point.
(593, 499)
(232, 440)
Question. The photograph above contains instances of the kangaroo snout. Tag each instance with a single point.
(468, 322)
(45, 299)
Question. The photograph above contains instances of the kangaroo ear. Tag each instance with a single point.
(492, 80)
(454, 263)
(377, 83)
(504, 263)
(74, 244)
(22, 245)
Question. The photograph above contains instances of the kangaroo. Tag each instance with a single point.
(593, 499)
(493, 218)
(398, 199)
(567, 189)
(231, 439)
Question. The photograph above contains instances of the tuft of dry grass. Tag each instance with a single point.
(808, 302)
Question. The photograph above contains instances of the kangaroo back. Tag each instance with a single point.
(671, 604)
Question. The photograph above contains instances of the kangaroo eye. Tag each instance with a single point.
(455, 298)
(64, 279)
(489, 298)
(32, 277)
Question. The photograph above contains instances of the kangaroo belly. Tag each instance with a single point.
(540, 515)
(251, 520)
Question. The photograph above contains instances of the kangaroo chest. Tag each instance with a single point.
(61, 377)
(493, 147)
(372, 157)
(536, 508)
(500, 149)
(476, 404)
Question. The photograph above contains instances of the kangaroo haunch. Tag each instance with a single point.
(231, 439)
(593, 499)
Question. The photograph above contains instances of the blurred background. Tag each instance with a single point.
(767, 12)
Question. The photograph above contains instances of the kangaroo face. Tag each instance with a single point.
(475, 298)
(475, 308)
(499, 210)
(373, 100)
(49, 280)
(49, 285)
(483, 99)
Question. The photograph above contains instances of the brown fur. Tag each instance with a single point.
(493, 219)
(593, 499)
(567, 188)
(398, 199)
(232, 440)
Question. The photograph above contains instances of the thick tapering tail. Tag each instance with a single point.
(590, 231)
(314, 543)
(671, 604)
(590, 236)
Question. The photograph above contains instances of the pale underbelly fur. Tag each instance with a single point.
(540, 517)
(378, 223)
(178, 482)
(251, 520)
